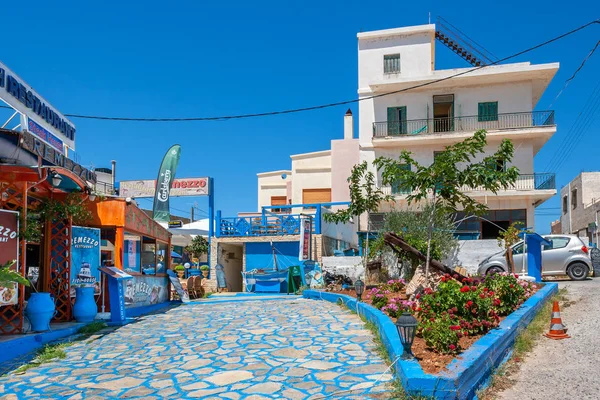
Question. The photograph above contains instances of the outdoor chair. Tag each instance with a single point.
(190, 287)
(198, 289)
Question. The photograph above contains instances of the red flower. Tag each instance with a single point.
(482, 295)
(454, 309)
(464, 289)
(469, 304)
(474, 288)
(450, 311)
(512, 286)
(455, 327)
(418, 296)
(432, 319)
(491, 293)
(466, 333)
(452, 347)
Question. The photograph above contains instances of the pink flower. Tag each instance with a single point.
(452, 347)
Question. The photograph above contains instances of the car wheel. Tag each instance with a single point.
(494, 270)
(578, 271)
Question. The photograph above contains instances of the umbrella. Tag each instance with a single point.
(175, 255)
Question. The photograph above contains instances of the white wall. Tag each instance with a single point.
(310, 171)
(271, 184)
(415, 57)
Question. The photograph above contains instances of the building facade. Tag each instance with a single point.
(580, 204)
(406, 104)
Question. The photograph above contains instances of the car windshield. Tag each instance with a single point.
(518, 248)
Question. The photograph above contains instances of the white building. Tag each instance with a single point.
(580, 200)
(500, 99)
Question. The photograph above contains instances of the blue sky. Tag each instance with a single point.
(199, 58)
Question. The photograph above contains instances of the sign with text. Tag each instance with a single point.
(22, 98)
(85, 258)
(305, 238)
(145, 290)
(181, 187)
(174, 279)
(175, 224)
(9, 251)
(35, 145)
(46, 136)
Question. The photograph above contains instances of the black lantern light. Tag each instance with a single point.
(407, 328)
(359, 286)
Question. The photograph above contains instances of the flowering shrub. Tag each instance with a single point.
(441, 334)
(396, 307)
(379, 300)
(394, 285)
(471, 308)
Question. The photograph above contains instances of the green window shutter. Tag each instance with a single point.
(397, 186)
(403, 123)
(487, 111)
(392, 121)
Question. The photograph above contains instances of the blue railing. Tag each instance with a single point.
(269, 223)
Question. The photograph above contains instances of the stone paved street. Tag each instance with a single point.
(289, 349)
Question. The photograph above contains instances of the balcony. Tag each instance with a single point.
(273, 221)
(522, 120)
(525, 182)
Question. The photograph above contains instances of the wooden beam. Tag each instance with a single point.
(395, 241)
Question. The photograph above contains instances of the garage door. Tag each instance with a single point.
(311, 196)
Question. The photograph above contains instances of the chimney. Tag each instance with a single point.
(113, 175)
(348, 125)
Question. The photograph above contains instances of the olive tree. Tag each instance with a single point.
(444, 184)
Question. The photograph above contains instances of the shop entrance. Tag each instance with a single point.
(231, 257)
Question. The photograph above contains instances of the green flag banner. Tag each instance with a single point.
(166, 175)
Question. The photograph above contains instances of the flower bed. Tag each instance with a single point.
(454, 316)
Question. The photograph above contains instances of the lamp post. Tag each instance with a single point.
(407, 328)
(359, 286)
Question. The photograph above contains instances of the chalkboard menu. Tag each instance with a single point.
(595, 256)
(183, 295)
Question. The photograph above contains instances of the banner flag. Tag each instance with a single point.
(164, 182)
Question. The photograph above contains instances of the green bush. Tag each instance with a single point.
(179, 267)
(442, 335)
(204, 268)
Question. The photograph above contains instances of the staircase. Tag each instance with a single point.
(461, 44)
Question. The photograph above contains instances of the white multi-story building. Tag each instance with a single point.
(580, 201)
(445, 110)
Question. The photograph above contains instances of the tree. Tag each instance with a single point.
(443, 184)
(198, 246)
(508, 238)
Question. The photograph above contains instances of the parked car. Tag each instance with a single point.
(567, 254)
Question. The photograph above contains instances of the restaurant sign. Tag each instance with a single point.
(36, 146)
(22, 98)
(9, 251)
(181, 187)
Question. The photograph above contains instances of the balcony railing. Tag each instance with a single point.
(539, 181)
(463, 124)
(270, 223)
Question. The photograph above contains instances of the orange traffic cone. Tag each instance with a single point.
(557, 329)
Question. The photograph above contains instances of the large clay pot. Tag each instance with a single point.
(39, 311)
(85, 308)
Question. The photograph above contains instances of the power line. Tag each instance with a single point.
(581, 123)
(339, 103)
(575, 73)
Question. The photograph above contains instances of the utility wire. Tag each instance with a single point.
(575, 73)
(339, 103)
(581, 123)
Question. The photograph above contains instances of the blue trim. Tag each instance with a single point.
(463, 376)
(22, 345)
(138, 311)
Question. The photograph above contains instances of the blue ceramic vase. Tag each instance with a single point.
(85, 308)
(39, 311)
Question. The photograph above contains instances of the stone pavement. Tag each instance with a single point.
(287, 349)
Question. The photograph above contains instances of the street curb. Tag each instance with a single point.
(463, 376)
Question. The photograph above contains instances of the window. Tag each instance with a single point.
(498, 165)
(397, 187)
(488, 111)
(396, 120)
(132, 247)
(518, 248)
(556, 243)
(574, 198)
(391, 64)
(565, 205)
(316, 196)
(278, 201)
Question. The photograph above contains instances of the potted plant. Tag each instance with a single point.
(40, 307)
(204, 269)
(180, 269)
(84, 309)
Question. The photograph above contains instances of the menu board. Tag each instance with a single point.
(9, 251)
(183, 295)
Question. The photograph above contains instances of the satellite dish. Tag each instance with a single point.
(283, 176)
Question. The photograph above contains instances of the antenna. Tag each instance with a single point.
(429, 19)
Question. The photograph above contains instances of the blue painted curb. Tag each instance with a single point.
(463, 376)
(139, 311)
(20, 346)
